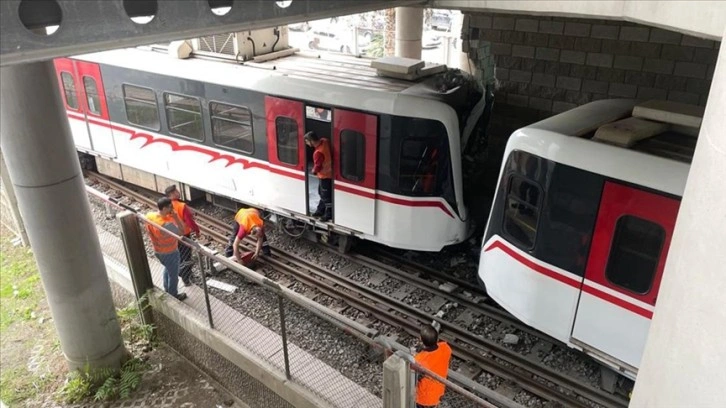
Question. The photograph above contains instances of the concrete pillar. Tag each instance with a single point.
(684, 360)
(8, 195)
(44, 169)
(396, 385)
(409, 28)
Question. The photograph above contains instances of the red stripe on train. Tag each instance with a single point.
(133, 134)
(575, 283)
(394, 200)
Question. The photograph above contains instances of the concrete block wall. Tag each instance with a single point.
(540, 66)
(545, 65)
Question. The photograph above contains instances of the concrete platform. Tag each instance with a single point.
(306, 370)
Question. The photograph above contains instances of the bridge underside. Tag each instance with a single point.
(89, 26)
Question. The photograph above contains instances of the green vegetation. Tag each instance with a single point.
(26, 333)
(33, 366)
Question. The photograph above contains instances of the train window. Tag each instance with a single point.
(635, 253)
(419, 166)
(184, 116)
(69, 88)
(287, 140)
(352, 155)
(522, 211)
(141, 107)
(232, 127)
(317, 113)
(94, 101)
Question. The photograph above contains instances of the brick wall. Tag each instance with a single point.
(546, 65)
(540, 66)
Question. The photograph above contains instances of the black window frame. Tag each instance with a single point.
(297, 141)
(212, 118)
(508, 195)
(429, 141)
(97, 95)
(74, 91)
(156, 105)
(614, 247)
(200, 113)
(360, 165)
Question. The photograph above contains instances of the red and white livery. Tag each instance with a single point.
(582, 221)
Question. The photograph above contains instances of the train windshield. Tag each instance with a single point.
(418, 153)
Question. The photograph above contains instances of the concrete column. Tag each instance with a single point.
(684, 360)
(409, 28)
(8, 194)
(43, 166)
(396, 387)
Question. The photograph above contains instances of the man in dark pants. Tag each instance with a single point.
(184, 214)
(323, 169)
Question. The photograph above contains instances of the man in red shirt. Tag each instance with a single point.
(184, 214)
(247, 221)
(323, 169)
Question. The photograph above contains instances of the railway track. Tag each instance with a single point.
(531, 376)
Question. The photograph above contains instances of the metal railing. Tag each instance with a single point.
(311, 345)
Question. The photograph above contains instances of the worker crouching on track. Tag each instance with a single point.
(435, 357)
(190, 225)
(247, 221)
(323, 169)
(166, 246)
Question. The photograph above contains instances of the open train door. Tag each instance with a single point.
(355, 160)
(286, 154)
(629, 247)
(95, 107)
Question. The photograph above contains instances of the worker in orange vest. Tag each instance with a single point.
(323, 169)
(166, 247)
(247, 221)
(190, 225)
(435, 357)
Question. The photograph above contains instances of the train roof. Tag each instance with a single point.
(322, 75)
(660, 162)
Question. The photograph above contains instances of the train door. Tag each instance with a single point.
(83, 95)
(95, 108)
(318, 120)
(628, 253)
(286, 153)
(354, 163)
(71, 93)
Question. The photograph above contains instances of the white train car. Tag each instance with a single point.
(582, 220)
(235, 131)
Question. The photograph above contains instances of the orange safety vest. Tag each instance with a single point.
(162, 242)
(247, 218)
(430, 391)
(179, 210)
(326, 171)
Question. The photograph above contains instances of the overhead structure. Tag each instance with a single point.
(86, 26)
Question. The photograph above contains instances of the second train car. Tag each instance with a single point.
(582, 220)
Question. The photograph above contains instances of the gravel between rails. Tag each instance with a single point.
(553, 355)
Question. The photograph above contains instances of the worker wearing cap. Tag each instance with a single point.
(435, 357)
(185, 214)
(166, 246)
(323, 169)
(247, 221)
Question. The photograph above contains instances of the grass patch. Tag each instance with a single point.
(28, 353)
